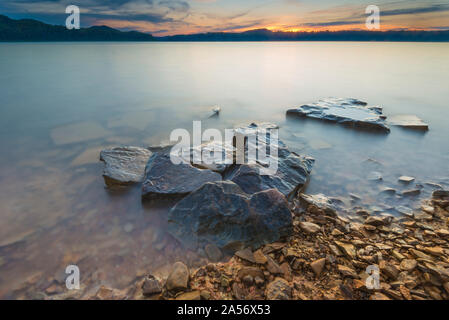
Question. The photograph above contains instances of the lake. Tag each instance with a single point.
(61, 103)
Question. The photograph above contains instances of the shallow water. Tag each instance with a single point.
(61, 103)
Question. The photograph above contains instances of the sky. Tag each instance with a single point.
(169, 17)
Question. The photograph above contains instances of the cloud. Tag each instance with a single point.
(331, 23)
(416, 10)
(359, 18)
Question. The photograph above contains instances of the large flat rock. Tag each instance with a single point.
(164, 179)
(349, 112)
(124, 165)
(222, 214)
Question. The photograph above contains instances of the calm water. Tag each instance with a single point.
(61, 103)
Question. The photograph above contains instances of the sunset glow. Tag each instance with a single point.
(172, 17)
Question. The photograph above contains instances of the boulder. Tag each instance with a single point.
(124, 165)
(291, 176)
(164, 179)
(222, 214)
(349, 112)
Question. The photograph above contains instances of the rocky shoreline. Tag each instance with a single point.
(256, 236)
(326, 258)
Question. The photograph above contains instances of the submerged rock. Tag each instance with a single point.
(408, 121)
(222, 214)
(124, 165)
(164, 179)
(349, 112)
(374, 176)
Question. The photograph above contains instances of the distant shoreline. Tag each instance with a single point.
(29, 30)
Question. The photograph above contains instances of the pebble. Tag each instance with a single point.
(194, 295)
(279, 289)
(309, 227)
(213, 252)
(318, 266)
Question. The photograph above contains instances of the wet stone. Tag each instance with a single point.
(124, 165)
(348, 112)
(178, 278)
(164, 179)
(222, 214)
(151, 286)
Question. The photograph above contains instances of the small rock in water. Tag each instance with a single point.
(374, 176)
(411, 193)
(151, 286)
(178, 278)
(317, 144)
(215, 112)
(406, 180)
(405, 211)
(78, 132)
(408, 121)
(387, 191)
(128, 227)
(213, 252)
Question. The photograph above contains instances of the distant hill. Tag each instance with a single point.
(267, 35)
(33, 30)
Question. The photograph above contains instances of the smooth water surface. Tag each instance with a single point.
(60, 103)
